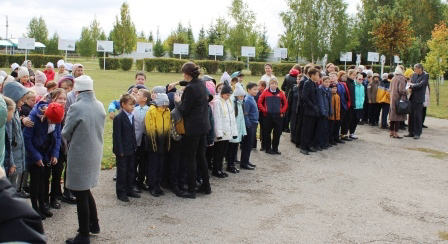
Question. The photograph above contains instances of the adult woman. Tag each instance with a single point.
(397, 91)
(193, 105)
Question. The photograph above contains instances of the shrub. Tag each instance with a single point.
(139, 64)
(280, 69)
(38, 60)
(111, 63)
(231, 66)
(209, 66)
(256, 68)
(126, 63)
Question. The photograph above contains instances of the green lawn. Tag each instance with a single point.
(109, 85)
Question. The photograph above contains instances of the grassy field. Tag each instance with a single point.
(109, 85)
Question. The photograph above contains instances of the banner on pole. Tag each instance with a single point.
(144, 47)
(373, 57)
(248, 51)
(397, 59)
(66, 45)
(182, 49)
(104, 46)
(346, 57)
(281, 53)
(216, 50)
(26, 43)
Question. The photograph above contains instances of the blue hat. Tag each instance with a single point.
(237, 74)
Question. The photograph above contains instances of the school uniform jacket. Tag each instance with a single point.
(124, 140)
(309, 99)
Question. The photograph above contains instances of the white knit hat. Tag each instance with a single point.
(3, 73)
(239, 91)
(23, 72)
(14, 66)
(83, 83)
(2, 78)
(399, 70)
(369, 73)
(50, 64)
(61, 63)
(68, 66)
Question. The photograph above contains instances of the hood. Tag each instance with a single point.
(294, 72)
(210, 96)
(37, 109)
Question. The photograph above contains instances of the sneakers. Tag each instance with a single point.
(353, 136)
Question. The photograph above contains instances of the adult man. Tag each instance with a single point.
(84, 129)
(419, 82)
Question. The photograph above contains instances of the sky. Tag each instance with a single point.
(68, 19)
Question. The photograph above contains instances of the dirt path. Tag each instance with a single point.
(375, 189)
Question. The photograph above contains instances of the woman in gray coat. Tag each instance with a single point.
(397, 91)
(84, 128)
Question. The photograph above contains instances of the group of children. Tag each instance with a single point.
(32, 151)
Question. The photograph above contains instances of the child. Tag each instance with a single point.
(261, 87)
(61, 71)
(310, 110)
(225, 128)
(211, 135)
(49, 71)
(15, 70)
(233, 82)
(237, 100)
(17, 93)
(115, 104)
(26, 108)
(158, 132)
(383, 98)
(359, 98)
(42, 142)
(39, 89)
(142, 98)
(66, 83)
(293, 106)
(348, 123)
(251, 119)
(374, 106)
(299, 122)
(51, 86)
(324, 104)
(140, 79)
(7, 109)
(334, 121)
(273, 105)
(268, 73)
(124, 147)
(24, 77)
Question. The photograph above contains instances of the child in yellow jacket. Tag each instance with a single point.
(158, 128)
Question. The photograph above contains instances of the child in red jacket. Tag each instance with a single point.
(273, 105)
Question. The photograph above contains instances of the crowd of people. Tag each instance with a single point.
(173, 137)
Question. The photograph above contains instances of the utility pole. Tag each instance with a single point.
(157, 33)
(6, 32)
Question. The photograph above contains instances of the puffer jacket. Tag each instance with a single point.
(359, 96)
(225, 123)
(239, 120)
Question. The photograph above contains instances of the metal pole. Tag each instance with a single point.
(345, 66)
(180, 56)
(65, 55)
(215, 57)
(104, 64)
(6, 32)
(247, 62)
(26, 53)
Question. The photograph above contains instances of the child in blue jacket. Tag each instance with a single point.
(324, 106)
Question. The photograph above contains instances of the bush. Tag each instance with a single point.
(231, 66)
(139, 64)
(280, 69)
(209, 66)
(164, 65)
(38, 60)
(126, 63)
(256, 68)
(111, 63)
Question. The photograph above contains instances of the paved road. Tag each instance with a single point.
(372, 190)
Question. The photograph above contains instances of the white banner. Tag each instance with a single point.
(281, 53)
(144, 47)
(373, 57)
(26, 43)
(216, 50)
(65, 44)
(104, 46)
(248, 51)
(397, 59)
(181, 49)
(346, 57)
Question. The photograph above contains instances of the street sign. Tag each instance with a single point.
(144, 47)
(181, 49)
(66, 45)
(248, 51)
(346, 57)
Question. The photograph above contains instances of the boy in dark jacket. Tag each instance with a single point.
(293, 106)
(310, 110)
(324, 103)
(288, 83)
(273, 105)
(124, 147)
(251, 119)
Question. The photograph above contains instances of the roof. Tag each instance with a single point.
(5, 43)
(15, 42)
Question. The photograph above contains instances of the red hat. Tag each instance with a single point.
(55, 112)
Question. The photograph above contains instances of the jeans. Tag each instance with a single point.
(246, 147)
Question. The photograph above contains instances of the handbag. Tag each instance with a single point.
(403, 106)
(177, 125)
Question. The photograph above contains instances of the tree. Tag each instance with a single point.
(86, 46)
(218, 33)
(142, 37)
(37, 29)
(150, 37)
(52, 45)
(158, 49)
(262, 48)
(124, 33)
(201, 46)
(392, 33)
(239, 34)
(437, 58)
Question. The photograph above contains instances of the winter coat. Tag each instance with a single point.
(309, 99)
(335, 107)
(273, 103)
(344, 95)
(19, 223)
(239, 119)
(3, 115)
(211, 133)
(290, 81)
(324, 101)
(158, 130)
(383, 94)
(49, 74)
(397, 91)
(359, 96)
(84, 130)
(372, 90)
(38, 143)
(194, 108)
(301, 84)
(351, 92)
(28, 84)
(225, 123)
(123, 135)
(420, 83)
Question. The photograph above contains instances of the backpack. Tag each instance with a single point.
(177, 125)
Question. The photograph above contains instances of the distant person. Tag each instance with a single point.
(61, 71)
(49, 71)
(419, 83)
(288, 83)
(397, 92)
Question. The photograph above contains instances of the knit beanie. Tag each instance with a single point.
(206, 78)
(55, 112)
(23, 72)
(3, 73)
(210, 86)
(14, 66)
(399, 70)
(15, 91)
(237, 74)
(239, 91)
(76, 66)
(226, 89)
(83, 83)
(61, 63)
(40, 78)
(66, 77)
(369, 73)
(159, 89)
(2, 78)
(68, 66)
(161, 100)
(8, 79)
(50, 64)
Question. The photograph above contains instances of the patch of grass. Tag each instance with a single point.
(443, 235)
(431, 152)
(440, 111)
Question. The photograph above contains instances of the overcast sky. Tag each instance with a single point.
(68, 17)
